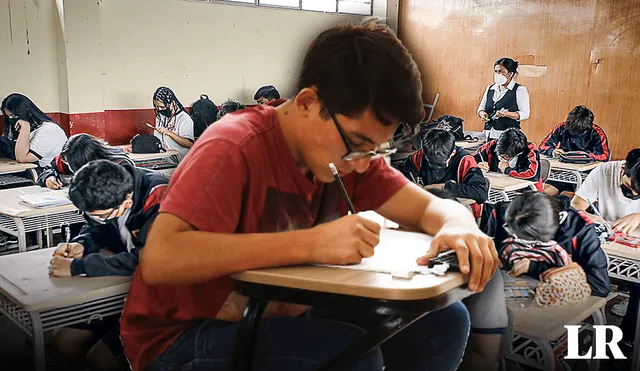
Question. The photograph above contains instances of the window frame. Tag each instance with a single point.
(257, 4)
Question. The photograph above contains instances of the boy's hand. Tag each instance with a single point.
(60, 267)
(72, 250)
(475, 250)
(520, 267)
(627, 224)
(557, 153)
(53, 183)
(344, 241)
(163, 130)
(484, 166)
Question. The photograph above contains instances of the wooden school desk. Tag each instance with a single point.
(504, 188)
(17, 218)
(570, 173)
(162, 162)
(404, 300)
(624, 264)
(38, 303)
(470, 146)
(8, 169)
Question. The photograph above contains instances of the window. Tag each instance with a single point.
(359, 7)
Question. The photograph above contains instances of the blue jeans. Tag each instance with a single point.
(435, 342)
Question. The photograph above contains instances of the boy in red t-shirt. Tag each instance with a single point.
(256, 191)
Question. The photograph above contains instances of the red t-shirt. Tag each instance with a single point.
(239, 177)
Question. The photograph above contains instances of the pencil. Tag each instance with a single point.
(595, 210)
(334, 170)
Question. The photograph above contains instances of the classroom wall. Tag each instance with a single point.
(101, 72)
(585, 52)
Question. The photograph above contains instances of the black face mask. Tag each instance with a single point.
(165, 112)
(628, 193)
(12, 121)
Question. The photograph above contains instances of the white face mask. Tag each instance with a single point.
(499, 79)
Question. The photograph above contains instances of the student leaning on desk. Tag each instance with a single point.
(256, 191)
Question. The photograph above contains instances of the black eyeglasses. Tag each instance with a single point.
(383, 150)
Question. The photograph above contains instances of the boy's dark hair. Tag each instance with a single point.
(100, 185)
(268, 92)
(509, 64)
(437, 146)
(579, 120)
(203, 113)
(24, 109)
(229, 106)
(632, 168)
(358, 67)
(80, 149)
(533, 216)
(511, 143)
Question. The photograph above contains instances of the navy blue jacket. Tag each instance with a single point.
(594, 142)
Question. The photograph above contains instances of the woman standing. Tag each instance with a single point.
(29, 134)
(174, 126)
(506, 103)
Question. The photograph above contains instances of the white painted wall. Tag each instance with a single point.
(29, 64)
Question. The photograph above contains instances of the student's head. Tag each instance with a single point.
(230, 106)
(102, 190)
(165, 103)
(511, 143)
(18, 107)
(532, 216)
(204, 112)
(631, 175)
(580, 120)
(81, 149)
(355, 86)
(266, 94)
(437, 147)
(504, 70)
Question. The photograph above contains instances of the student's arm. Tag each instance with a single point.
(55, 169)
(600, 148)
(183, 142)
(588, 253)
(453, 227)
(522, 99)
(23, 142)
(550, 142)
(409, 168)
(98, 265)
(90, 238)
(481, 155)
(473, 185)
(588, 192)
(530, 172)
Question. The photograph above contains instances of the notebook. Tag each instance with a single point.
(47, 198)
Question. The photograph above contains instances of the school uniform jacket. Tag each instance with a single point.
(463, 178)
(527, 166)
(149, 190)
(594, 142)
(576, 235)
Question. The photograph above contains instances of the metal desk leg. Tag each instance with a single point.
(39, 360)
(22, 235)
(34, 175)
(247, 335)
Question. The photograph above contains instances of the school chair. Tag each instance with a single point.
(431, 107)
(545, 169)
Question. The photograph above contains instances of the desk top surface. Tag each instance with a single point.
(503, 182)
(149, 156)
(24, 278)
(12, 206)
(469, 144)
(623, 251)
(558, 165)
(355, 282)
(8, 166)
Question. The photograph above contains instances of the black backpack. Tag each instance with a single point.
(145, 143)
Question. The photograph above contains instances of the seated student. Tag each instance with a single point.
(577, 133)
(441, 162)
(79, 150)
(174, 126)
(29, 134)
(511, 154)
(120, 202)
(229, 106)
(258, 192)
(266, 94)
(615, 187)
(204, 113)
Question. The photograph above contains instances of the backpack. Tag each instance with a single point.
(447, 122)
(145, 143)
(576, 157)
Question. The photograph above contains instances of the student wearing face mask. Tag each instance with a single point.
(79, 150)
(29, 134)
(120, 202)
(505, 103)
(174, 126)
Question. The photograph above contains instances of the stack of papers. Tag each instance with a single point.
(46, 198)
